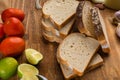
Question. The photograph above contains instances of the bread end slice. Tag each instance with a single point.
(84, 18)
(100, 29)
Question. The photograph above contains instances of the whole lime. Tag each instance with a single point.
(8, 67)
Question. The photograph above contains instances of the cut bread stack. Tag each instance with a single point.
(77, 52)
(58, 19)
(77, 55)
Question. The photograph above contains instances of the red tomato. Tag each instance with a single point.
(12, 46)
(2, 34)
(13, 12)
(14, 27)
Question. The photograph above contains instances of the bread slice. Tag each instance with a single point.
(84, 18)
(94, 63)
(100, 29)
(50, 37)
(48, 25)
(59, 11)
(64, 31)
(76, 51)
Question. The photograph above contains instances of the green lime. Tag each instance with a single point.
(8, 67)
(33, 56)
(29, 78)
(27, 70)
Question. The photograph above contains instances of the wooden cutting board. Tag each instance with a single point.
(49, 66)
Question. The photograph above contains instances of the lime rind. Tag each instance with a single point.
(27, 70)
(29, 78)
(33, 56)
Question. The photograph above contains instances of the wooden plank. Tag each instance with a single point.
(49, 66)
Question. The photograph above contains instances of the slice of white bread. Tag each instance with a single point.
(100, 29)
(64, 31)
(76, 51)
(84, 18)
(94, 63)
(59, 11)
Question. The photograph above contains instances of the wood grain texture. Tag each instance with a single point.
(49, 66)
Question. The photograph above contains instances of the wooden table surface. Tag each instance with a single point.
(49, 66)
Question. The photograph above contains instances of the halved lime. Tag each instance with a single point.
(33, 56)
(29, 78)
(27, 70)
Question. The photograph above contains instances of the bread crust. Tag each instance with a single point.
(100, 34)
(51, 38)
(79, 22)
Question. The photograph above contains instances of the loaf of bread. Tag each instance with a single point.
(94, 63)
(59, 11)
(100, 29)
(76, 51)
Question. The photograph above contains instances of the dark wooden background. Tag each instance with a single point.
(49, 67)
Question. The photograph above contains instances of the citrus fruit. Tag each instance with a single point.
(8, 67)
(33, 56)
(25, 69)
(29, 78)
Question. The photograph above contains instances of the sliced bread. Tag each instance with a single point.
(48, 25)
(64, 31)
(100, 29)
(50, 37)
(59, 11)
(84, 18)
(76, 51)
(94, 63)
